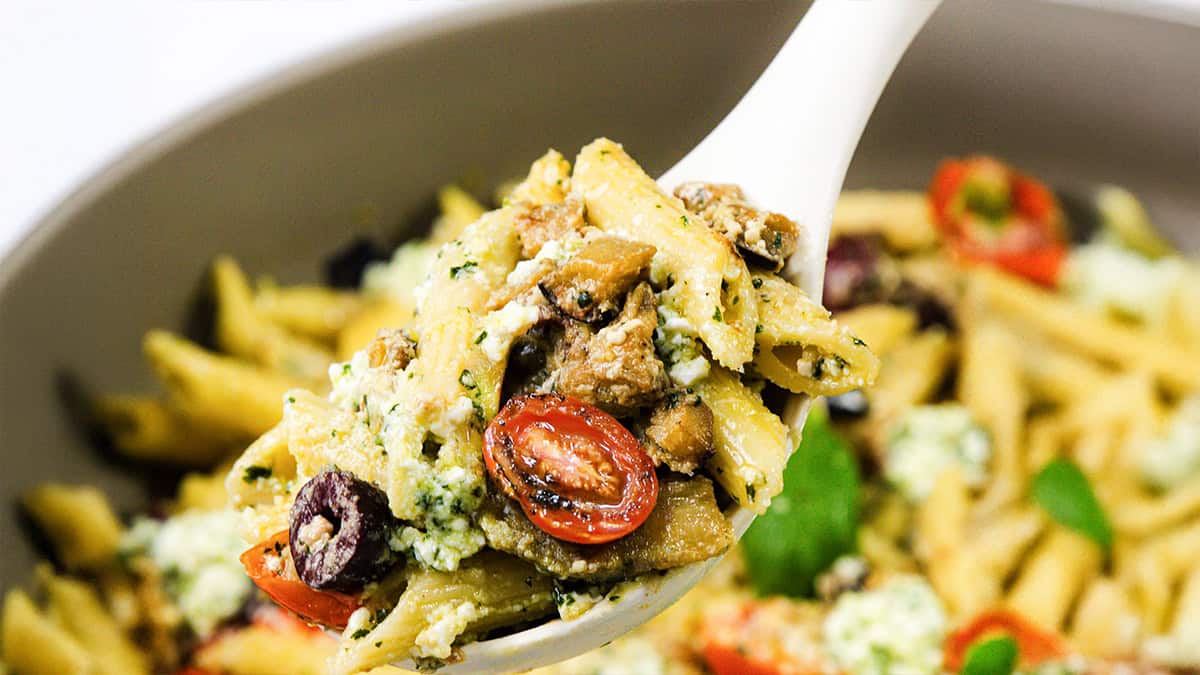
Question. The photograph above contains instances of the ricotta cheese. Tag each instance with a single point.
(676, 342)
(501, 327)
(197, 553)
(895, 629)
(930, 439)
(1119, 281)
(1174, 457)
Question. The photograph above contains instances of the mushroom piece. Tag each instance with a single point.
(548, 222)
(770, 236)
(679, 432)
(615, 368)
(589, 286)
(391, 347)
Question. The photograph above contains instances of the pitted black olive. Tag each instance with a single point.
(852, 405)
(339, 532)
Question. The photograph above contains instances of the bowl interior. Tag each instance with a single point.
(356, 143)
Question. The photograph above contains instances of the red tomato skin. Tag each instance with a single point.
(288, 591)
(1034, 644)
(567, 517)
(193, 670)
(1035, 215)
(725, 659)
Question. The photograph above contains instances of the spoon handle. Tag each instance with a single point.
(790, 139)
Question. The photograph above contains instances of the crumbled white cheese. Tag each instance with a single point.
(1174, 457)
(445, 497)
(197, 553)
(930, 439)
(676, 342)
(447, 622)
(895, 629)
(402, 276)
(501, 327)
(1121, 282)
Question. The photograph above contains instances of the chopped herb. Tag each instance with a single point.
(1065, 493)
(291, 399)
(683, 220)
(737, 299)
(333, 434)
(345, 368)
(480, 338)
(253, 473)
(604, 153)
(614, 598)
(360, 634)
(757, 283)
(858, 342)
(750, 491)
(658, 206)
(778, 243)
(467, 267)
(584, 299)
(466, 379)
(758, 329)
(378, 644)
(717, 314)
(380, 615)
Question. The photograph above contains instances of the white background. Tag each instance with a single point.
(81, 81)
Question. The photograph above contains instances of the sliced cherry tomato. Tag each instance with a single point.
(989, 213)
(1034, 644)
(764, 637)
(279, 580)
(577, 472)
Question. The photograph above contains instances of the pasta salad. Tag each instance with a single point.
(510, 422)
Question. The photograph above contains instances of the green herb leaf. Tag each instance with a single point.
(996, 656)
(813, 521)
(253, 473)
(457, 271)
(1062, 489)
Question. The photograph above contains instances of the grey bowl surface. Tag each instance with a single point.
(356, 142)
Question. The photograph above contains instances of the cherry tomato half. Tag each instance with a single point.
(577, 472)
(1034, 644)
(989, 213)
(283, 585)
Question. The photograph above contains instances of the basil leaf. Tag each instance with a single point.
(997, 656)
(1062, 489)
(813, 521)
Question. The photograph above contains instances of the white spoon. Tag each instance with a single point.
(787, 143)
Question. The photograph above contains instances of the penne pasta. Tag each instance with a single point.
(714, 290)
(79, 522)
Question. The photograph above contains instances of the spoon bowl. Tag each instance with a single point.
(787, 143)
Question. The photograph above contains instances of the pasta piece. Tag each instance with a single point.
(79, 523)
(216, 392)
(714, 290)
(1060, 376)
(379, 314)
(901, 216)
(1089, 332)
(752, 444)
(459, 209)
(437, 608)
(882, 327)
(989, 385)
(1144, 515)
(951, 566)
(34, 645)
(148, 429)
(907, 377)
(315, 312)
(265, 650)
(802, 349)
(1057, 569)
(999, 542)
(242, 332)
(548, 182)
(1106, 622)
(1155, 569)
(76, 607)
(1044, 442)
(202, 491)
